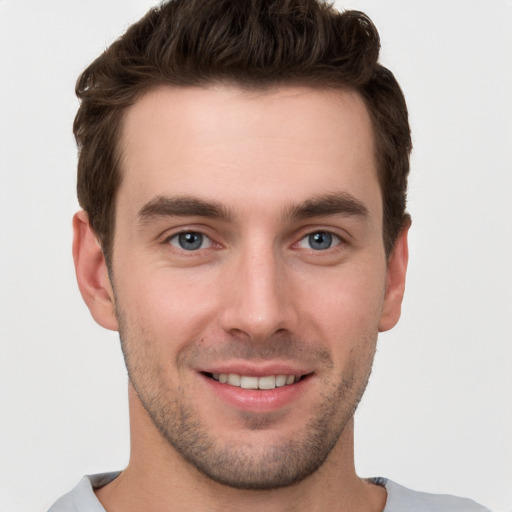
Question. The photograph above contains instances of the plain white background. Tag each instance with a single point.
(437, 415)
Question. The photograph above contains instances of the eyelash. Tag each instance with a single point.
(175, 236)
(332, 238)
(327, 237)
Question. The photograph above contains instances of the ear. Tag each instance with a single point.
(395, 282)
(91, 273)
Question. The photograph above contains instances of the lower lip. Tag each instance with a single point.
(257, 400)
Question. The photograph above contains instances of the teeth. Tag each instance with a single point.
(280, 381)
(248, 382)
(267, 382)
(234, 379)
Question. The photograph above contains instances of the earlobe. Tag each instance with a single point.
(395, 283)
(91, 273)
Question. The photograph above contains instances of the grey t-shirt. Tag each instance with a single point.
(400, 499)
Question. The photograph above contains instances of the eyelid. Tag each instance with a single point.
(174, 240)
(171, 231)
(336, 240)
(209, 234)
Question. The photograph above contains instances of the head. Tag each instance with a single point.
(253, 44)
(243, 171)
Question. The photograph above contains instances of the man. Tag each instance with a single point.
(243, 172)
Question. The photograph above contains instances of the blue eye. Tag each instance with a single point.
(190, 241)
(319, 241)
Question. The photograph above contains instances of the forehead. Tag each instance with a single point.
(248, 148)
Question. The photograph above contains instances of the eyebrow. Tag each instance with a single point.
(329, 204)
(181, 206)
(185, 206)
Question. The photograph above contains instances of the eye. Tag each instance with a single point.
(190, 241)
(319, 241)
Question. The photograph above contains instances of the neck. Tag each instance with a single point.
(158, 478)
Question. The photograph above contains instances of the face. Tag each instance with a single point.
(249, 274)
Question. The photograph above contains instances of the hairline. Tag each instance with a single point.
(257, 87)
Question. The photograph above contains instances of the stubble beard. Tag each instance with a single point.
(239, 464)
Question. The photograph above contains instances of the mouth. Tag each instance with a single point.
(258, 390)
(265, 382)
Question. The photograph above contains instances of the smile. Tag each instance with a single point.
(250, 382)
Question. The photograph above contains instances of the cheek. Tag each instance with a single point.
(168, 309)
(355, 291)
(346, 313)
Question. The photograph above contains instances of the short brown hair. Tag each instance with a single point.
(249, 43)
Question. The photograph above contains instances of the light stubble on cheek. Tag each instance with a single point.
(256, 456)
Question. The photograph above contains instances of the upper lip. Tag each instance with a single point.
(257, 370)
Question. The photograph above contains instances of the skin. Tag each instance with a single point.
(255, 174)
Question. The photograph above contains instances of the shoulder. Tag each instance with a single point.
(402, 499)
(82, 497)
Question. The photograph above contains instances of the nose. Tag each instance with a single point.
(258, 301)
